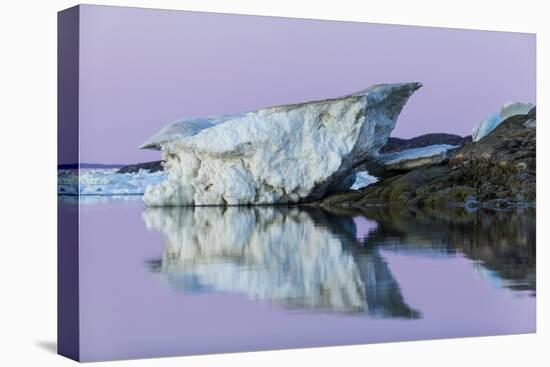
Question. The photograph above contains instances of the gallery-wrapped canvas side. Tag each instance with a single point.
(67, 157)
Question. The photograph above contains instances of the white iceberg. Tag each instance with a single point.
(494, 119)
(410, 159)
(282, 154)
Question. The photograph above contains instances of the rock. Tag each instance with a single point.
(531, 119)
(409, 159)
(147, 166)
(498, 171)
(283, 154)
(397, 144)
(493, 120)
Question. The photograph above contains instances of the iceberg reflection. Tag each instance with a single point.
(293, 257)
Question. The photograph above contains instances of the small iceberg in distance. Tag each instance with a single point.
(105, 182)
(494, 119)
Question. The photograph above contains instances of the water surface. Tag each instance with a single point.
(171, 281)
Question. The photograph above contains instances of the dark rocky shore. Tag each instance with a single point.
(148, 166)
(498, 171)
(397, 144)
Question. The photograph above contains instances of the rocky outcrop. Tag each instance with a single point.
(397, 144)
(283, 154)
(146, 166)
(497, 171)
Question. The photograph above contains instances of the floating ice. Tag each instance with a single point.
(105, 182)
(281, 154)
(363, 179)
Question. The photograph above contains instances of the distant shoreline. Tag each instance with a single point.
(89, 165)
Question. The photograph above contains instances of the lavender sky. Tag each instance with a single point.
(141, 69)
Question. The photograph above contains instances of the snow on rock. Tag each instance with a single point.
(105, 182)
(410, 159)
(495, 118)
(363, 179)
(280, 154)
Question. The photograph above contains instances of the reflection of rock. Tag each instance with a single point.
(289, 256)
(280, 154)
(503, 241)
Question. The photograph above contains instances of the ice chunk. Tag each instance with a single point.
(363, 179)
(282, 154)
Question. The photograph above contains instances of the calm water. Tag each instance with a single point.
(170, 281)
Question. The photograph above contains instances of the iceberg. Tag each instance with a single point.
(283, 154)
(494, 119)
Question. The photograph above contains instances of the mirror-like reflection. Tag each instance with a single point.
(293, 257)
(502, 243)
(315, 259)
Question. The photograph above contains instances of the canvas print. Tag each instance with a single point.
(232, 183)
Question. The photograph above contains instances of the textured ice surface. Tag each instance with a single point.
(105, 182)
(280, 154)
(409, 159)
(495, 118)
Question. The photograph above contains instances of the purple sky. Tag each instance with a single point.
(143, 68)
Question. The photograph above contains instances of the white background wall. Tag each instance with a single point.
(28, 181)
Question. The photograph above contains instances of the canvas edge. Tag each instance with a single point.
(68, 315)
